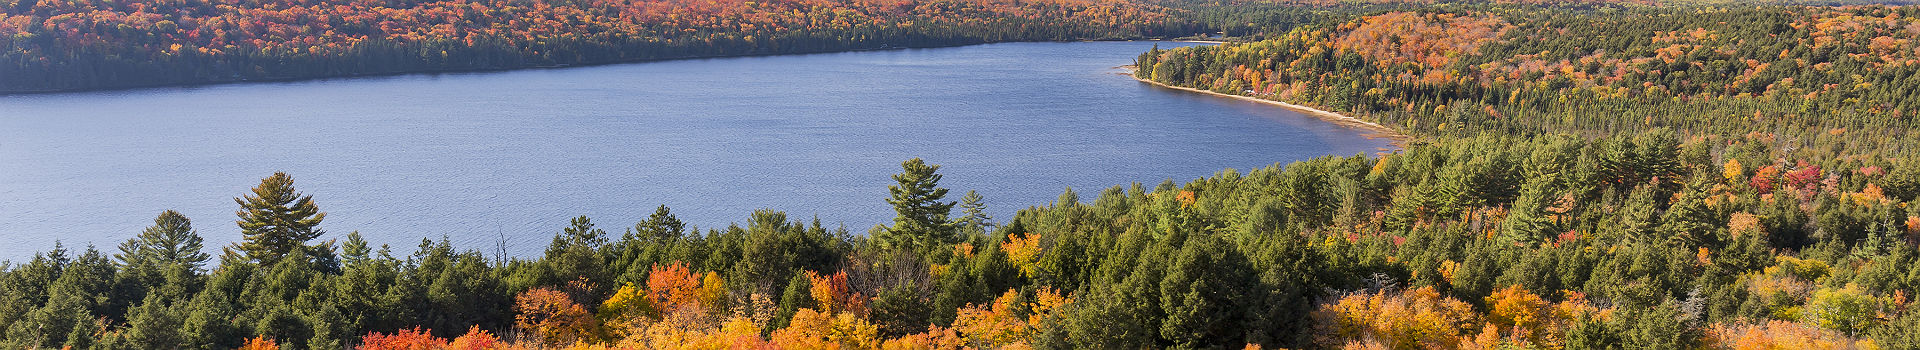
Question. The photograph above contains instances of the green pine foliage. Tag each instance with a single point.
(275, 220)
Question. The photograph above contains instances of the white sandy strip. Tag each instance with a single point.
(1376, 130)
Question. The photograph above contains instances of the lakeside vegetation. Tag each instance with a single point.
(51, 45)
(1584, 176)
(1614, 162)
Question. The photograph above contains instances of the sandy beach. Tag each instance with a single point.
(1373, 130)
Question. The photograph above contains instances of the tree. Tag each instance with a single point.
(900, 310)
(1207, 296)
(154, 325)
(922, 219)
(672, 287)
(661, 225)
(171, 241)
(1418, 318)
(1528, 219)
(165, 259)
(275, 219)
(575, 254)
(1848, 310)
(796, 296)
(552, 316)
(974, 218)
(1903, 182)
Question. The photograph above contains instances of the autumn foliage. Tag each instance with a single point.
(553, 317)
(260, 343)
(1418, 318)
(160, 42)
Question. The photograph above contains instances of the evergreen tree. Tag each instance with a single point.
(797, 295)
(574, 254)
(974, 218)
(171, 241)
(156, 325)
(1903, 182)
(1527, 220)
(1206, 295)
(922, 220)
(661, 225)
(276, 220)
(901, 310)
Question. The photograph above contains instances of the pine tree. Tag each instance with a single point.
(171, 241)
(1206, 296)
(661, 225)
(276, 220)
(1528, 221)
(922, 219)
(974, 216)
(154, 325)
(794, 297)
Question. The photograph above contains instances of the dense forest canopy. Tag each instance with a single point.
(1583, 175)
(88, 44)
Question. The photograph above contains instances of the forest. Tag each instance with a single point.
(55, 45)
(1589, 175)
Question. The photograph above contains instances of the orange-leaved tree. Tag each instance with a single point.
(833, 295)
(475, 339)
(818, 330)
(1781, 335)
(1007, 322)
(552, 316)
(260, 343)
(672, 287)
(405, 339)
(1414, 319)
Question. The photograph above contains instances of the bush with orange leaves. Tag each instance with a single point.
(940, 338)
(260, 343)
(405, 339)
(672, 287)
(818, 330)
(1516, 316)
(735, 333)
(840, 321)
(1782, 335)
(833, 295)
(1416, 319)
(553, 317)
(1004, 324)
(417, 339)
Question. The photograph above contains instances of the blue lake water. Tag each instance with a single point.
(480, 156)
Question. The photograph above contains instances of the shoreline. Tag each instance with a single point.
(1371, 130)
(519, 68)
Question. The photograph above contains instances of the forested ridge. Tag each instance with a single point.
(52, 45)
(1582, 176)
(1754, 151)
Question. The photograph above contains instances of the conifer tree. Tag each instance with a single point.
(661, 225)
(794, 297)
(155, 325)
(922, 219)
(974, 216)
(171, 241)
(275, 219)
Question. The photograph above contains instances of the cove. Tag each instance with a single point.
(486, 158)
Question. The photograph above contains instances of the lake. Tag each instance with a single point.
(484, 157)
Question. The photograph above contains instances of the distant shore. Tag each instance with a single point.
(1373, 130)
